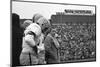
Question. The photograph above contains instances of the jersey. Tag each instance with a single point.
(31, 37)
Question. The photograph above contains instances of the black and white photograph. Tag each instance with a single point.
(45, 33)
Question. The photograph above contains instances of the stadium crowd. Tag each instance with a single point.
(77, 41)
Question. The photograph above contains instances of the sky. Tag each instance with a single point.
(28, 9)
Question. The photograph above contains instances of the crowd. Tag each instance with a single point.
(77, 41)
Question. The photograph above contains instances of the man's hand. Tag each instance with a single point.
(30, 40)
(40, 47)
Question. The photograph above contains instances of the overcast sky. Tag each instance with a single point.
(28, 9)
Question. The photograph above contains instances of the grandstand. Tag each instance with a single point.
(77, 35)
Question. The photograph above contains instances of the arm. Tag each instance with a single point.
(47, 43)
(41, 43)
(30, 40)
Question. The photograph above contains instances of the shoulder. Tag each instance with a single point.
(35, 28)
(48, 38)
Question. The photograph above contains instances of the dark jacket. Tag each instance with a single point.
(16, 39)
(51, 51)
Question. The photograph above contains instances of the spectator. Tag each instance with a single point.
(51, 48)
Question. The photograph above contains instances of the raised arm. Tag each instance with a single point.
(30, 40)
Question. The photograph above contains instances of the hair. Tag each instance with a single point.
(36, 17)
(26, 23)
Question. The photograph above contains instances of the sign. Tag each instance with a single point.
(75, 12)
(82, 12)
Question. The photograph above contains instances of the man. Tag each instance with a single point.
(51, 48)
(30, 40)
(45, 27)
(32, 43)
(32, 32)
